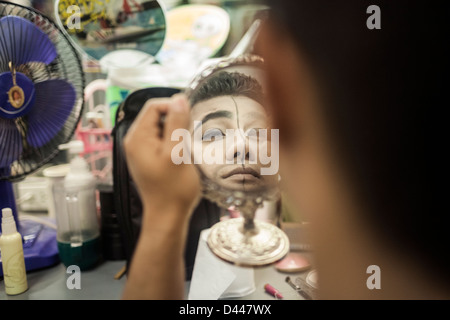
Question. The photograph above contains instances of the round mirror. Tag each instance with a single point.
(236, 153)
(100, 27)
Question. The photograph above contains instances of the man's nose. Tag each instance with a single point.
(240, 149)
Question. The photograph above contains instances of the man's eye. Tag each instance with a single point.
(252, 133)
(213, 133)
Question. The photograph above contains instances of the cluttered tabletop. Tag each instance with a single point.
(292, 278)
(106, 282)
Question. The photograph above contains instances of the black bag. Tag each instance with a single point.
(126, 199)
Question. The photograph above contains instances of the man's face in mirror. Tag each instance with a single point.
(229, 130)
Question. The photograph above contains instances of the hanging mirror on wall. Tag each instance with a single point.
(101, 27)
(236, 153)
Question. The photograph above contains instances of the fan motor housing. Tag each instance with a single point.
(23, 90)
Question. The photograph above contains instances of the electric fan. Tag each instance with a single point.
(41, 101)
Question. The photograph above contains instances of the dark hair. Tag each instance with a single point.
(228, 84)
(381, 87)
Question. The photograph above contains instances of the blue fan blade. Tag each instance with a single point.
(54, 102)
(21, 41)
(10, 142)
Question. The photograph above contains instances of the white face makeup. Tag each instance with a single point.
(228, 128)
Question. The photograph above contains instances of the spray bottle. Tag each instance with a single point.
(78, 231)
(13, 261)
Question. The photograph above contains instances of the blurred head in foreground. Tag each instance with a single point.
(351, 103)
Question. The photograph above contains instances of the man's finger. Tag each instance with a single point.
(178, 117)
(148, 120)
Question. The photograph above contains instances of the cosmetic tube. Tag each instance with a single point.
(13, 262)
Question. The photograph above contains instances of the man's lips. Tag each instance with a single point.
(242, 171)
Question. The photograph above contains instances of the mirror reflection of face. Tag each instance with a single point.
(228, 126)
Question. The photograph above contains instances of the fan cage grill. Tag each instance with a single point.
(66, 66)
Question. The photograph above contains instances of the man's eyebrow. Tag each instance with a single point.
(215, 115)
(255, 115)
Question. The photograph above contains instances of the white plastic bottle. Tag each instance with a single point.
(13, 261)
(78, 230)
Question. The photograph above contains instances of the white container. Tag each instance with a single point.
(80, 222)
(78, 231)
(55, 188)
(13, 261)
